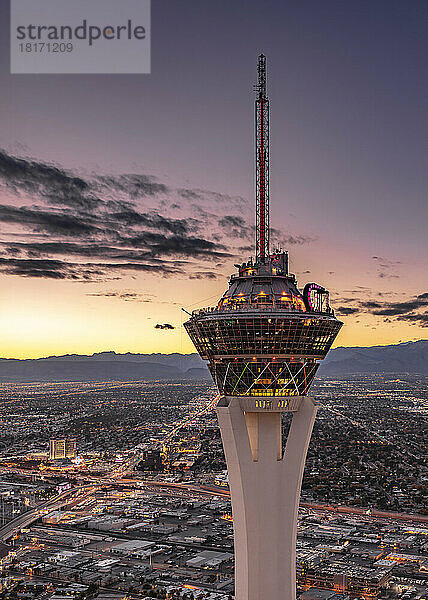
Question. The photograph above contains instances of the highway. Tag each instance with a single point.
(26, 519)
(343, 509)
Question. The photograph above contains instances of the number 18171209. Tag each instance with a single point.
(46, 47)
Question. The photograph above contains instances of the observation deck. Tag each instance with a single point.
(265, 337)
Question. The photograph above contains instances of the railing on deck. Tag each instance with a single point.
(247, 307)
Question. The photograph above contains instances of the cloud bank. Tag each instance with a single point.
(414, 310)
(57, 224)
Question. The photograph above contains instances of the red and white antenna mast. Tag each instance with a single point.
(262, 163)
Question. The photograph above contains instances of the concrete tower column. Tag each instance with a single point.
(265, 492)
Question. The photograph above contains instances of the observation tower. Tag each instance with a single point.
(263, 342)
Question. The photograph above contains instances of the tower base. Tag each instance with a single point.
(265, 491)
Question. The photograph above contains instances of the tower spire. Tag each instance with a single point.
(262, 162)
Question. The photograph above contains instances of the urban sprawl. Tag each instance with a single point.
(116, 490)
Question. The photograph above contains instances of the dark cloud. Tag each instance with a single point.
(190, 194)
(245, 249)
(164, 326)
(151, 258)
(47, 181)
(164, 269)
(48, 269)
(346, 310)
(231, 221)
(133, 185)
(344, 300)
(371, 305)
(56, 269)
(54, 222)
(418, 319)
(200, 197)
(162, 245)
(281, 240)
(155, 221)
(293, 240)
(79, 249)
(236, 227)
(144, 247)
(130, 296)
(127, 296)
(204, 275)
(358, 289)
(414, 310)
(405, 310)
(402, 308)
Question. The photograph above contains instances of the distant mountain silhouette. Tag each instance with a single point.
(409, 357)
(104, 366)
(198, 373)
(51, 369)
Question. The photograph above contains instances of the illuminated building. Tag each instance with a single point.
(151, 460)
(62, 448)
(357, 581)
(263, 343)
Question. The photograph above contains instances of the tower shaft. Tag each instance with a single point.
(265, 493)
(262, 162)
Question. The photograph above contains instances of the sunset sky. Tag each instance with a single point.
(126, 197)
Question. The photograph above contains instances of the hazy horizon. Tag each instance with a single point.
(338, 347)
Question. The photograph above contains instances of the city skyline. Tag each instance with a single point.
(115, 213)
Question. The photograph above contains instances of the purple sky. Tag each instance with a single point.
(348, 89)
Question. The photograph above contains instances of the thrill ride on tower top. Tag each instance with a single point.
(265, 337)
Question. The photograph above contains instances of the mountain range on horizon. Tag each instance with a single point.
(406, 357)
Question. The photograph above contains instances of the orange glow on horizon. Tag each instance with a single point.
(42, 317)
